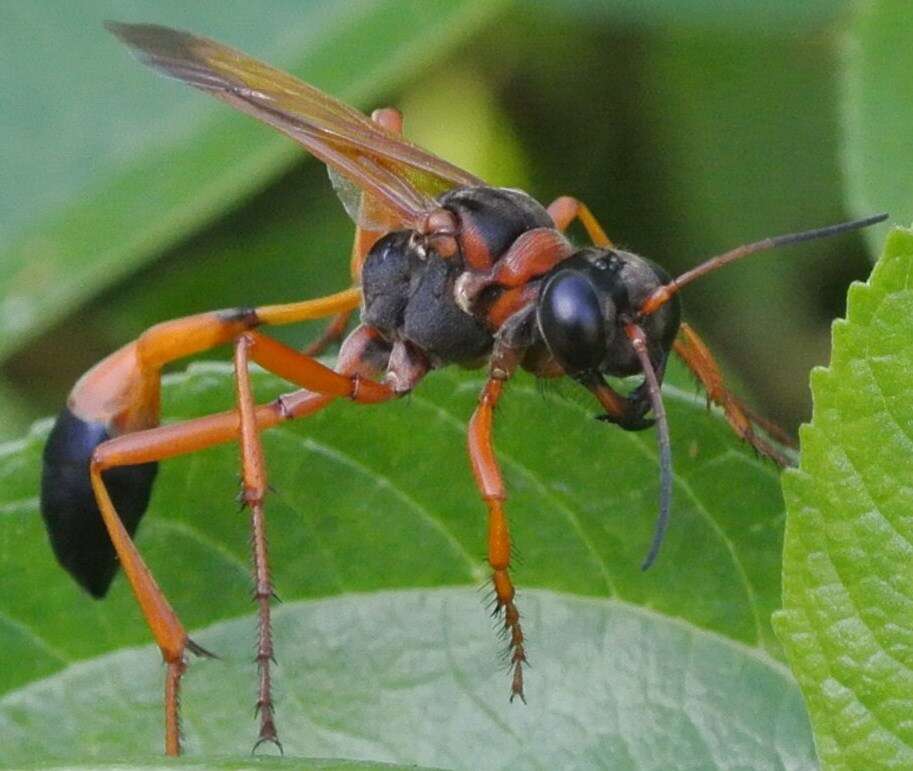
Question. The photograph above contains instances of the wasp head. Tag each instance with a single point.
(587, 300)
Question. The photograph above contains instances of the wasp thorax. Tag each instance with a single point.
(585, 301)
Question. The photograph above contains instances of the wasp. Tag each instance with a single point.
(445, 270)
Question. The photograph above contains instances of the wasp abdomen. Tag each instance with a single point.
(75, 527)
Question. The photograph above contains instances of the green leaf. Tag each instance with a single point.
(127, 163)
(878, 111)
(407, 676)
(377, 541)
(847, 581)
(12, 417)
(252, 763)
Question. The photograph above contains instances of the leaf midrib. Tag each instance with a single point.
(757, 653)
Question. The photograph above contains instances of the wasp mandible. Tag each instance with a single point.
(446, 270)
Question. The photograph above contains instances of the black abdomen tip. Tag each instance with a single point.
(75, 527)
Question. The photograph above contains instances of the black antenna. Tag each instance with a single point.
(639, 342)
(664, 293)
(656, 300)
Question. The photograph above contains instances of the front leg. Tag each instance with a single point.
(628, 412)
(510, 346)
(491, 486)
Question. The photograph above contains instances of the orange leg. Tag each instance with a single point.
(331, 333)
(392, 120)
(120, 396)
(364, 240)
(166, 627)
(122, 391)
(323, 385)
(565, 210)
(253, 475)
(696, 356)
(491, 486)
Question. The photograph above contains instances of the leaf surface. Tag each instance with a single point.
(401, 676)
(377, 541)
(847, 578)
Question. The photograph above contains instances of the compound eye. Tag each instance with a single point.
(572, 322)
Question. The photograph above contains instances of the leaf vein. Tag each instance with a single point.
(705, 513)
(195, 534)
(382, 480)
(27, 631)
(566, 510)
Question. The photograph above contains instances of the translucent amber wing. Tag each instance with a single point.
(399, 180)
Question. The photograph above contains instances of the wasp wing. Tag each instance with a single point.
(398, 179)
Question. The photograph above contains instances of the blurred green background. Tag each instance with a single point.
(688, 127)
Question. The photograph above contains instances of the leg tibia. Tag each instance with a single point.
(253, 475)
(488, 478)
(166, 627)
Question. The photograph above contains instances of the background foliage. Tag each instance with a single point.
(688, 128)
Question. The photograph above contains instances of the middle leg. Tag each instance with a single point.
(303, 370)
(565, 210)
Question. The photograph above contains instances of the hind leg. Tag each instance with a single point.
(120, 395)
(358, 364)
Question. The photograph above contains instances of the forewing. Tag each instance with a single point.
(399, 179)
